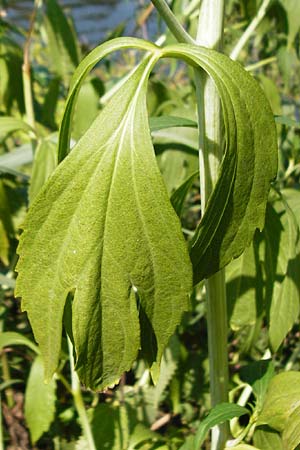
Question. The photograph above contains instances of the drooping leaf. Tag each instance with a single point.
(39, 401)
(10, 124)
(282, 398)
(8, 338)
(103, 226)
(237, 205)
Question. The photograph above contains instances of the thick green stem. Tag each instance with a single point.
(210, 34)
(79, 403)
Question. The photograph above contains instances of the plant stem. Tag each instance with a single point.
(79, 403)
(210, 34)
(250, 29)
(172, 22)
(28, 100)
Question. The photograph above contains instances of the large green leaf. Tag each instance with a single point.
(237, 205)
(39, 401)
(104, 228)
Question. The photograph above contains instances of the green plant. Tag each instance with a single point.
(106, 279)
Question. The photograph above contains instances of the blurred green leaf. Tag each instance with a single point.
(282, 399)
(61, 44)
(283, 120)
(291, 432)
(244, 286)
(8, 338)
(39, 401)
(10, 124)
(161, 122)
(292, 8)
(282, 267)
(45, 161)
(267, 439)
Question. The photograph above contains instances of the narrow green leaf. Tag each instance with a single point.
(292, 8)
(8, 338)
(61, 45)
(39, 401)
(219, 414)
(283, 397)
(178, 197)
(45, 161)
(104, 227)
(291, 432)
(161, 122)
(267, 439)
(237, 206)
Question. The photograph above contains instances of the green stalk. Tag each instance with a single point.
(210, 34)
(27, 87)
(79, 403)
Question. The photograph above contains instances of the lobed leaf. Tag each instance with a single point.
(103, 228)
